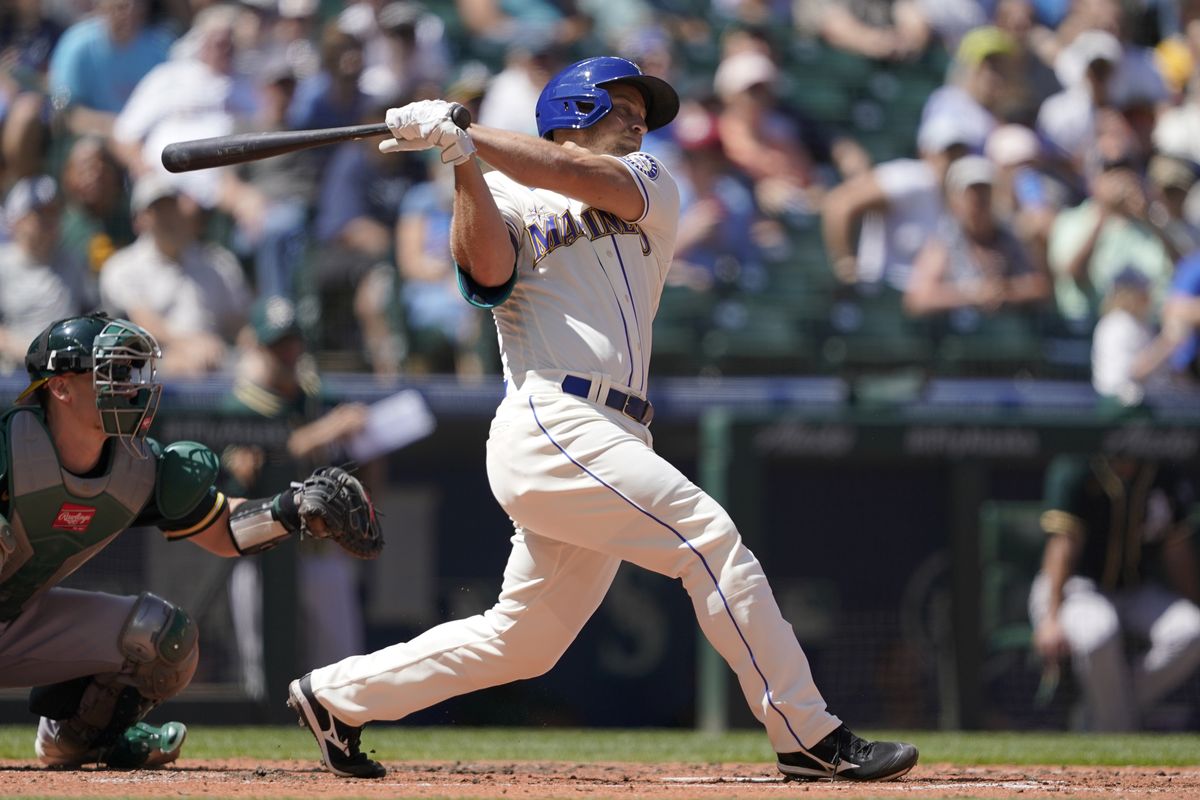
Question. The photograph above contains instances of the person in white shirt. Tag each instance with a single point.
(573, 271)
(191, 295)
(1129, 358)
(896, 207)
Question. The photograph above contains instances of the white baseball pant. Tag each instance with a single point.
(1118, 692)
(586, 490)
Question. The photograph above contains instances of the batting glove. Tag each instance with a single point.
(417, 120)
(456, 145)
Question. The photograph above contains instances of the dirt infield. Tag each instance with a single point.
(252, 778)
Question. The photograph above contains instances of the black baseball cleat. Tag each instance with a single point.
(843, 756)
(337, 740)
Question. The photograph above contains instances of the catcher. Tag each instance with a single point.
(76, 469)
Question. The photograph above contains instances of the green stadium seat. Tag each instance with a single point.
(757, 335)
(872, 331)
(995, 345)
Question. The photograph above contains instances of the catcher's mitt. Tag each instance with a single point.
(334, 505)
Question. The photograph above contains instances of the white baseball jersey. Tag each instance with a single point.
(583, 485)
(588, 282)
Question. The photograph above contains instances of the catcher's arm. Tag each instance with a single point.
(331, 503)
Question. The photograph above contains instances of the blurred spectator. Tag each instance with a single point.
(1031, 188)
(96, 218)
(98, 62)
(275, 379)
(443, 330)
(980, 82)
(1181, 313)
(1129, 360)
(1112, 230)
(896, 207)
(879, 29)
(1033, 79)
(509, 23)
(191, 295)
(1108, 521)
(194, 95)
(511, 97)
(413, 59)
(1068, 119)
(27, 38)
(332, 97)
(717, 211)
(357, 210)
(761, 140)
(614, 21)
(1137, 77)
(271, 197)
(276, 31)
(1171, 179)
(38, 283)
(973, 263)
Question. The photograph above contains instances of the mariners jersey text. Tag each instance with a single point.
(552, 231)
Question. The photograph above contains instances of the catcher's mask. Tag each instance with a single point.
(121, 357)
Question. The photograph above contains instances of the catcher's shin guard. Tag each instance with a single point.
(85, 719)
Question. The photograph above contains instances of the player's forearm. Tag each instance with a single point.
(479, 239)
(596, 180)
(1057, 563)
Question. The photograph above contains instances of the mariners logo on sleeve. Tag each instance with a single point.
(643, 163)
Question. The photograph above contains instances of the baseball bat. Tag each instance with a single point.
(238, 148)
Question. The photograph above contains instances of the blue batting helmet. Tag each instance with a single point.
(575, 98)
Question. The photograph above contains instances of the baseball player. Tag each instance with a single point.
(77, 469)
(1109, 523)
(568, 242)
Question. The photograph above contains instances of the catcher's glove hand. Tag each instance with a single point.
(334, 505)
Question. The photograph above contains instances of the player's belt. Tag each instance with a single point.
(630, 405)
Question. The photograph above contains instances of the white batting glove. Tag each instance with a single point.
(417, 120)
(456, 145)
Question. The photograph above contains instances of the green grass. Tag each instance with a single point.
(395, 743)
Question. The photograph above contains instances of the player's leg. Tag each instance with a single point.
(1171, 624)
(99, 663)
(582, 479)
(1093, 630)
(550, 590)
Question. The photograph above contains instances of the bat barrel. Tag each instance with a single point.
(238, 148)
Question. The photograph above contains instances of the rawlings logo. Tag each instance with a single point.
(74, 518)
(643, 164)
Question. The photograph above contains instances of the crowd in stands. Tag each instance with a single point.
(963, 186)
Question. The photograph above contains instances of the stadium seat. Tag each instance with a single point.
(1001, 345)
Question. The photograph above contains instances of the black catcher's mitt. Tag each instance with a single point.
(334, 505)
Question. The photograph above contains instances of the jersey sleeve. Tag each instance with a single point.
(1063, 497)
(186, 499)
(659, 191)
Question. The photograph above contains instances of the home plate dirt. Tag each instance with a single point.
(528, 779)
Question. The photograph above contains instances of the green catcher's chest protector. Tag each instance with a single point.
(60, 520)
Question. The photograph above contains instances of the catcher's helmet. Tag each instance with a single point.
(575, 97)
(121, 357)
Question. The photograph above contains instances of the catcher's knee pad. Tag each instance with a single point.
(159, 642)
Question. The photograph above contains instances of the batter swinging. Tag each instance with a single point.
(569, 242)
